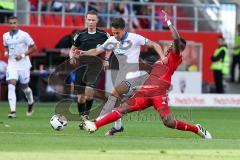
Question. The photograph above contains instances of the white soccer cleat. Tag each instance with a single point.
(203, 132)
(90, 126)
(12, 115)
(29, 113)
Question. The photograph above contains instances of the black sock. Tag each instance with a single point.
(81, 108)
(89, 104)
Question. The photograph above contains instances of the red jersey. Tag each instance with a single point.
(159, 80)
(165, 72)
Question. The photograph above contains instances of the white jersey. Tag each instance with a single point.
(18, 44)
(127, 52)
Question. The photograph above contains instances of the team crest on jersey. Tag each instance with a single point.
(119, 48)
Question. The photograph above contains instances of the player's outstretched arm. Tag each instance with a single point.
(156, 47)
(91, 52)
(174, 32)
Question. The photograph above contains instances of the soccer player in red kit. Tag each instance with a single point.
(154, 92)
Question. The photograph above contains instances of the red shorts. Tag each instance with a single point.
(160, 103)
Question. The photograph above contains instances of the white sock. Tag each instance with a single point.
(29, 95)
(12, 97)
(118, 124)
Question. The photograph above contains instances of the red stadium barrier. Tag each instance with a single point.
(47, 37)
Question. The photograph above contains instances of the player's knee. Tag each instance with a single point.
(168, 121)
(124, 109)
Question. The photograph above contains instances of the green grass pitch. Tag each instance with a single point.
(145, 137)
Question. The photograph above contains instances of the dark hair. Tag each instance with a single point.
(182, 43)
(92, 12)
(118, 23)
(12, 17)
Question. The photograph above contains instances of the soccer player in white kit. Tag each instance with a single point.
(126, 46)
(18, 45)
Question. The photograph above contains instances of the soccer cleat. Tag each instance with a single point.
(12, 115)
(84, 118)
(203, 132)
(113, 130)
(89, 126)
(30, 109)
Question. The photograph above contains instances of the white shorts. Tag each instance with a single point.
(23, 76)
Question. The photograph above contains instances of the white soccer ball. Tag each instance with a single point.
(58, 122)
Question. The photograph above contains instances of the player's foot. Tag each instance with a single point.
(90, 126)
(12, 115)
(203, 132)
(84, 118)
(30, 109)
(113, 130)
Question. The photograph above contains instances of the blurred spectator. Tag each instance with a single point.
(75, 7)
(146, 22)
(102, 11)
(236, 56)
(57, 6)
(66, 41)
(33, 5)
(46, 5)
(123, 10)
(219, 65)
(8, 6)
(3, 68)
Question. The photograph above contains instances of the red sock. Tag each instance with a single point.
(109, 118)
(181, 125)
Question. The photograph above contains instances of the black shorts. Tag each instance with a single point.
(87, 73)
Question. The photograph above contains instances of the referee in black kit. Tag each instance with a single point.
(89, 67)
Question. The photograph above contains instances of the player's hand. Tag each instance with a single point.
(73, 61)
(165, 60)
(105, 65)
(76, 53)
(18, 57)
(166, 18)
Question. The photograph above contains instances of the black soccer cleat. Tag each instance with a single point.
(113, 130)
(30, 109)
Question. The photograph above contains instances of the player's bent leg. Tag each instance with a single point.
(12, 98)
(170, 122)
(29, 95)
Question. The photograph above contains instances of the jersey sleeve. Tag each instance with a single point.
(107, 45)
(28, 40)
(76, 40)
(140, 40)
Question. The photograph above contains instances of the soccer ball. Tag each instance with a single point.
(58, 122)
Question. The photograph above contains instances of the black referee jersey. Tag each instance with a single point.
(85, 40)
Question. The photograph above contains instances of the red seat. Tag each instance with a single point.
(33, 19)
(49, 19)
(58, 20)
(78, 21)
(69, 20)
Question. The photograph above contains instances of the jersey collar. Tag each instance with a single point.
(92, 32)
(124, 37)
(12, 33)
